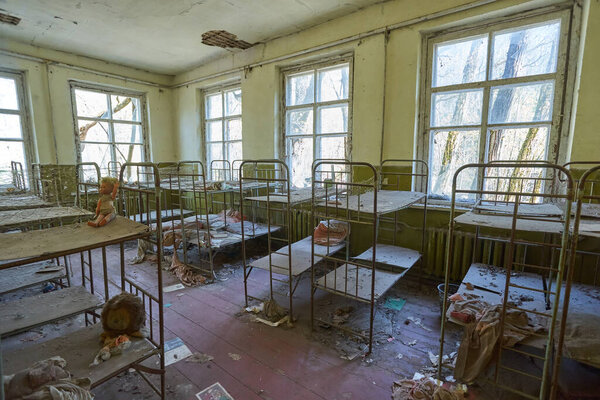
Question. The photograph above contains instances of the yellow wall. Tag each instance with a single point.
(175, 106)
(48, 89)
(261, 85)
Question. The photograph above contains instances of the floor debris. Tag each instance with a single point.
(175, 350)
(199, 358)
(173, 288)
(394, 304)
(214, 392)
(417, 321)
(235, 357)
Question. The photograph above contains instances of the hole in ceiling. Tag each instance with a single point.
(224, 39)
(9, 19)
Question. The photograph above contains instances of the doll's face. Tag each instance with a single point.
(106, 188)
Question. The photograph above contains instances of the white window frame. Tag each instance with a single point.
(315, 67)
(24, 116)
(563, 78)
(224, 119)
(110, 121)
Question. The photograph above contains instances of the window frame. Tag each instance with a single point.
(25, 119)
(563, 77)
(205, 120)
(110, 91)
(322, 64)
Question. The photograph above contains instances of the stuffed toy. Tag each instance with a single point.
(122, 317)
(123, 314)
(105, 210)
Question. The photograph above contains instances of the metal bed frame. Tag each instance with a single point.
(587, 194)
(275, 174)
(132, 200)
(509, 205)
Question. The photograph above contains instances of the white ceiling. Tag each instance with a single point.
(162, 36)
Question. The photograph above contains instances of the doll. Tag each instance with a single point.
(105, 211)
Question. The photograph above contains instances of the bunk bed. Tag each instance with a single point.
(367, 207)
(516, 210)
(79, 348)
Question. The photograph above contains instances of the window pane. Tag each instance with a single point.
(91, 104)
(233, 102)
(300, 89)
(332, 119)
(524, 52)
(234, 129)
(300, 151)
(333, 84)
(332, 147)
(449, 151)
(234, 151)
(8, 94)
(93, 131)
(459, 61)
(98, 153)
(521, 103)
(518, 144)
(129, 153)
(214, 131)
(214, 106)
(300, 122)
(456, 108)
(125, 108)
(10, 151)
(215, 151)
(128, 133)
(10, 126)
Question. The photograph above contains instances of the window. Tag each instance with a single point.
(317, 124)
(13, 132)
(110, 131)
(493, 94)
(223, 125)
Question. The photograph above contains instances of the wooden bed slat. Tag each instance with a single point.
(393, 256)
(79, 349)
(15, 278)
(29, 312)
(15, 218)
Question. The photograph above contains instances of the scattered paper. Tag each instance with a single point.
(175, 350)
(173, 288)
(394, 304)
(214, 392)
(235, 357)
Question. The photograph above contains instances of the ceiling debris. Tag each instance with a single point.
(224, 39)
(9, 19)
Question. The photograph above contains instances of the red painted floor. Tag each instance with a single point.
(255, 361)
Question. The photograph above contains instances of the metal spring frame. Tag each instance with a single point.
(83, 187)
(277, 178)
(582, 197)
(419, 171)
(560, 268)
(222, 173)
(134, 200)
(194, 171)
(18, 176)
(344, 214)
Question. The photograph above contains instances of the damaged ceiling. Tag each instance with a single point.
(161, 36)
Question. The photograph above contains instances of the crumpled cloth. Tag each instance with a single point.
(184, 272)
(46, 380)
(330, 232)
(581, 337)
(482, 336)
(231, 216)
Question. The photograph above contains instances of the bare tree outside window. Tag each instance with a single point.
(12, 135)
(492, 97)
(317, 106)
(110, 129)
(223, 125)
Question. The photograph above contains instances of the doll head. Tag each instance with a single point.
(107, 185)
